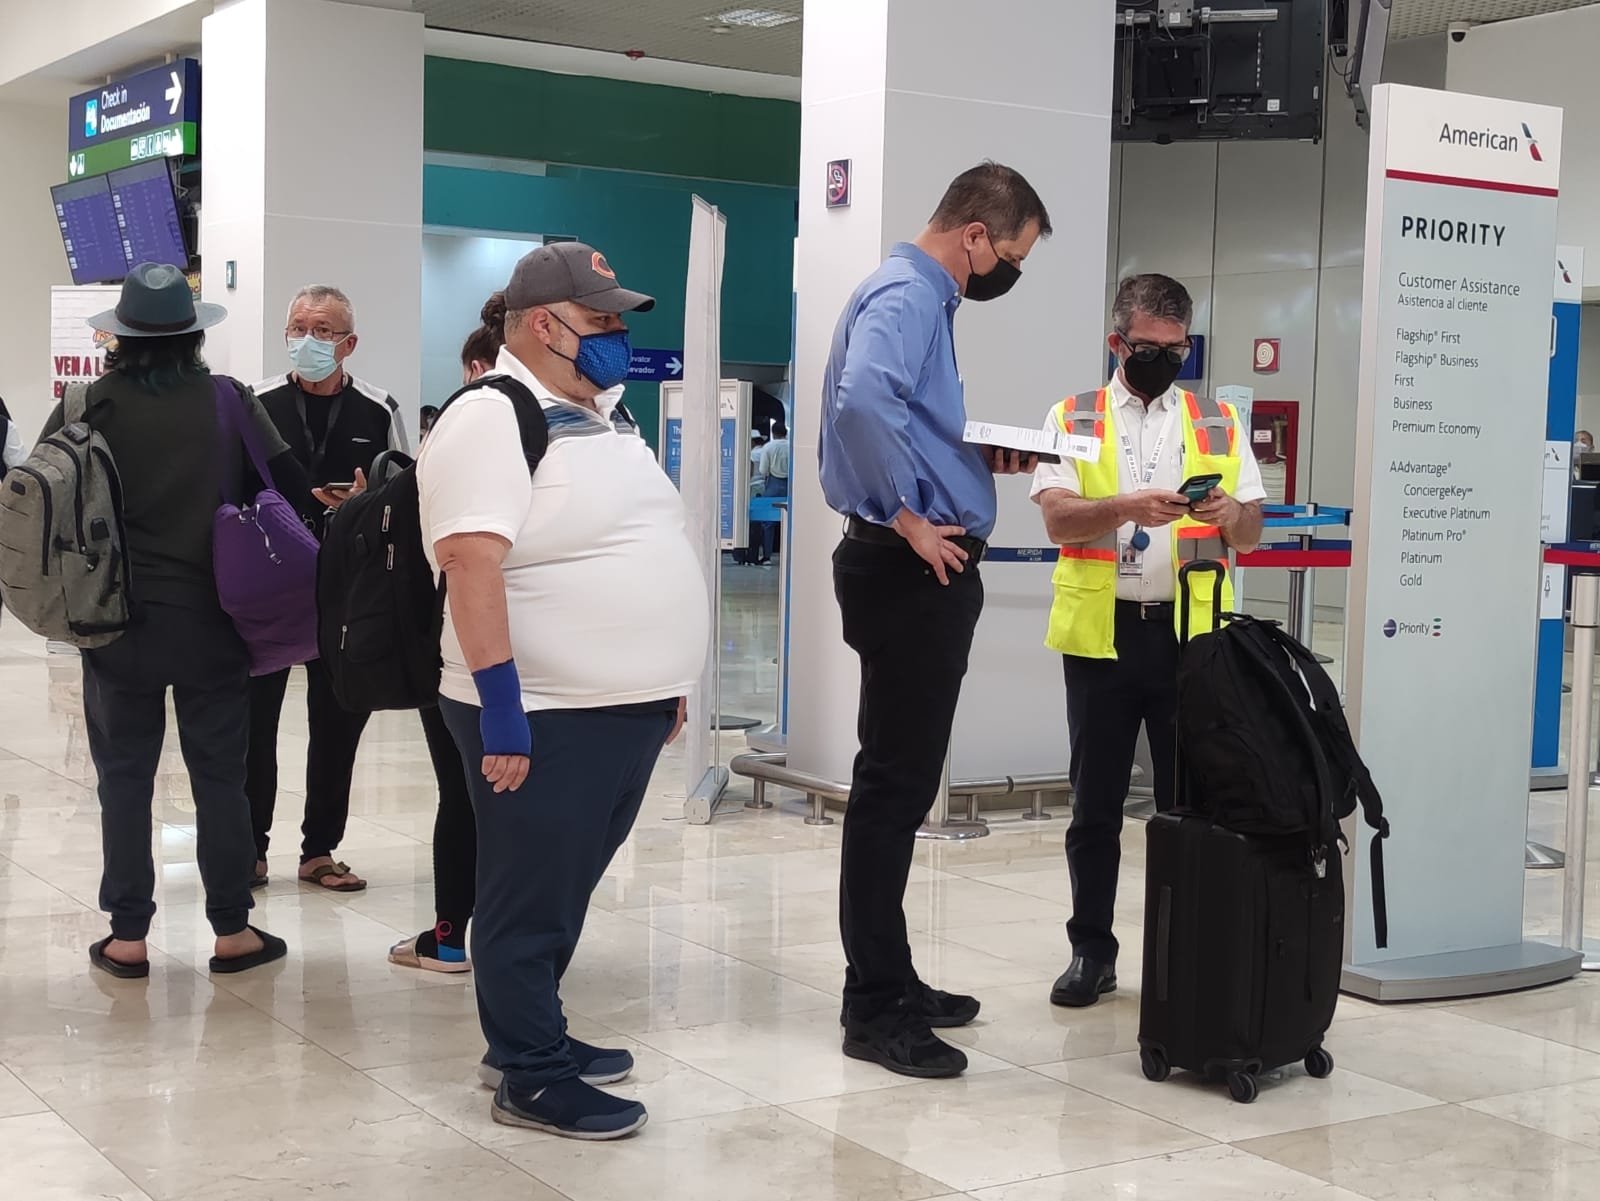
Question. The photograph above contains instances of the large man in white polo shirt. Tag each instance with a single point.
(1125, 529)
(577, 620)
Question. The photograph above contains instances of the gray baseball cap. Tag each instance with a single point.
(571, 271)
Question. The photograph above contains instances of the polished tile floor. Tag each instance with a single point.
(712, 953)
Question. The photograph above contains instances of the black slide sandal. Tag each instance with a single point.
(122, 971)
(272, 949)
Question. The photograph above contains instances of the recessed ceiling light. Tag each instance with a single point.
(754, 18)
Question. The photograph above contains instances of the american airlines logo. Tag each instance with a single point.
(1490, 139)
(1533, 145)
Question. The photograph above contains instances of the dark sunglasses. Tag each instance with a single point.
(1147, 352)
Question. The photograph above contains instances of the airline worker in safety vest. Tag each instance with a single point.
(1115, 507)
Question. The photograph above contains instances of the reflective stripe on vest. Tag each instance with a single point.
(1083, 614)
(1084, 415)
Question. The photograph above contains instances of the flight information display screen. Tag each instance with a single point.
(147, 211)
(90, 231)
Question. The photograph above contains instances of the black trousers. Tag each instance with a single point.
(335, 736)
(913, 636)
(542, 851)
(1107, 701)
(199, 656)
(455, 831)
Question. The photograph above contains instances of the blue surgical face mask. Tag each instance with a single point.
(602, 359)
(313, 361)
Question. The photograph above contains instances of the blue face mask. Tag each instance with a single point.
(602, 359)
(313, 360)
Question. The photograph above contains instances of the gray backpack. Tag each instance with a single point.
(63, 548)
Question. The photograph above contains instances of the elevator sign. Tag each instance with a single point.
(151, 101)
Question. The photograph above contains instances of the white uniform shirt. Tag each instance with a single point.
(1143, 425)
(606, 599)
(14, 450)
(775, 459)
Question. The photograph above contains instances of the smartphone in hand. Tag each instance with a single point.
(1197, 487)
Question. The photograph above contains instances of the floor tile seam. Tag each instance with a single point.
(764, 1102)
(1084, 1088)
(48, 883)
(945, 1185)
(439, 1121)
(1560, 1042)
(104, 1155)
(1510, 1121)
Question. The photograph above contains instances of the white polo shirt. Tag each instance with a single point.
(606, 599)
(1143, 425)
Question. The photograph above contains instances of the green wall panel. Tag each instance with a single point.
(512, 112)
(642, 225)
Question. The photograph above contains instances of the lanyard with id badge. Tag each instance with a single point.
(1130, 550)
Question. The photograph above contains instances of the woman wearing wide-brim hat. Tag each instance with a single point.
(157, 410)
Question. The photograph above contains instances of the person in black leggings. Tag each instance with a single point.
(455, 832)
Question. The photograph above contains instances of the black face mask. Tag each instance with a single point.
(996, 283)
(1151, 377)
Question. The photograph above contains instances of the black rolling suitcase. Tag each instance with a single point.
(1243, 946)
(1244, 934)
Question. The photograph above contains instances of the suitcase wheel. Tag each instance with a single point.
(1153, 1061)
(1319, 1063)
(1242, 1087)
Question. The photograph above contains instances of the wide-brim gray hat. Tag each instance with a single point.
(156, 302)
(572, 271)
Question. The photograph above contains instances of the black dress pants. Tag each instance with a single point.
(335, 737)
(1107, 701)
(197, 654)
(913, 636)
(455, 831)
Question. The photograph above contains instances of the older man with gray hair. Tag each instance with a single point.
(335, 424)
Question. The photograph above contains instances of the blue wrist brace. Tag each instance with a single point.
(503, 724)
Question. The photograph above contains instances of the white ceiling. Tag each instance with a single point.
(680, 30)
(1419, 18)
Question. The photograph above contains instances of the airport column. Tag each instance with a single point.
(898, 97)
(313, 174)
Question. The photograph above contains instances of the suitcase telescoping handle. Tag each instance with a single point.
(1219, 573)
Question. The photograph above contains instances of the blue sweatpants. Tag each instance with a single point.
(541, 851)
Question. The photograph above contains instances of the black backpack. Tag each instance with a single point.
(1265, 748)
(379, 613)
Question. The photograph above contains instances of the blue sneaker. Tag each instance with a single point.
(596, 1065)
(569, 1108)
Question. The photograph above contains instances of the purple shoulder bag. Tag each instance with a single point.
(264, 557)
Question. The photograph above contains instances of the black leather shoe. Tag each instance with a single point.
(902, 1041)
(942, 1010)
(1083, 983)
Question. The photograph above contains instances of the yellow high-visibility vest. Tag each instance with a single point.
(1083, 614)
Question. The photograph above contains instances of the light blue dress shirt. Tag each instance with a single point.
(893, 410)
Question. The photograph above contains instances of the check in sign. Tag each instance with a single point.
(155, 108)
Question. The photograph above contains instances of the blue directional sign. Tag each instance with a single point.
(155, 99)
(654, 366)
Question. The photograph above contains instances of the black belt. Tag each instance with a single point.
(1148, 610)
(881, 535)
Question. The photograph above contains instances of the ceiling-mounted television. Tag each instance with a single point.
(1214, 72)
(89, 231)
(146, 203)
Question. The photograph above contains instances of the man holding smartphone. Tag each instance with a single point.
(1165, 478)
(335, 424)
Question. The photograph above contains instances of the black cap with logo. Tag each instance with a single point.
(571, 271)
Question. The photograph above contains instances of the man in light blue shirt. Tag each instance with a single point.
(919, 505)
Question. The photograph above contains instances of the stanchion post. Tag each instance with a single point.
(939, 825)
(1585, 618)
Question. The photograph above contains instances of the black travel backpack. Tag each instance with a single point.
(379, 613)
(1265, 746)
